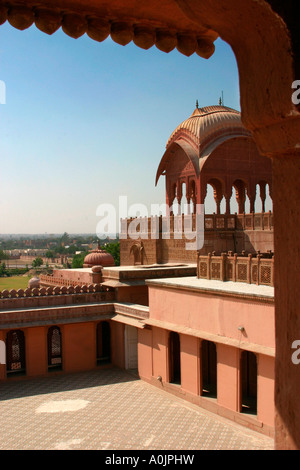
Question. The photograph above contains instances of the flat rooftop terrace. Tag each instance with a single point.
(118, 276)
(111, 409)
(192, 283)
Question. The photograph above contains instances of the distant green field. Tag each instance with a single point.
(14, 282)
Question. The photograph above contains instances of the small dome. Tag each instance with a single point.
(34, 282)
(98, 258)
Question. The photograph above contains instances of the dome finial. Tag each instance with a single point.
(197, 104)
(221, 100)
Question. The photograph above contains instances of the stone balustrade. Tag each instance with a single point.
(252, 269)
(54, 281)
(187, 222)
(252, 221)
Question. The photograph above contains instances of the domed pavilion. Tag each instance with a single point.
(213, 147)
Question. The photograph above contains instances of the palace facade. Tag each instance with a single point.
(198, 323)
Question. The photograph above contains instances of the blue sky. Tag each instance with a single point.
(87, 122)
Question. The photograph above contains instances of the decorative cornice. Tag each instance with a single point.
(76, 20)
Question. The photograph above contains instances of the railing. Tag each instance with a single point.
(253, 221)
(57, 281)
(175, 223)
(252, 269)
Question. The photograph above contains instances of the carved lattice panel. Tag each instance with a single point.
(242, 272)
(257, 222)
(230, 222)
(203, 269)
(15, 351)
(209, 223)
(220, 222)
(54, 346)
(265, 275)
(248, 223)
(254, 273)
(215, 271)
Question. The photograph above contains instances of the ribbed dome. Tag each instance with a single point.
(98, 258)
(205, 122)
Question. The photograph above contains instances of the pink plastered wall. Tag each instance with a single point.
(219, 316)
(215, 314)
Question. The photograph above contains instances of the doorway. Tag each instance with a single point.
(174, 358)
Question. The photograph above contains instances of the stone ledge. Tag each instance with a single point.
(228, 288)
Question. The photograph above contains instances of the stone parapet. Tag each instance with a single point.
(252, 269)
(50, 296)
(149, 226)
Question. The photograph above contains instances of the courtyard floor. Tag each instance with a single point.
(111, 410)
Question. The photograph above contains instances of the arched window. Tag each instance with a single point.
(103, 343)
(174, 358)
(269, 201)
(54, 348)
(248, 382)
(208, 369)
(183, 202)
(215, 200)
(15, 353)
(193, 197)
(239, 188)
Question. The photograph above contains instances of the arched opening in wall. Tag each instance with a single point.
(103, 343)
(54, 349)
(137, 253)
(215, 198)
(258, 206)
(183, 203)
(239, 190)
(209, 203)
(247, 205)
(269, 201)
(234, 208)
(174, 358)
(208, 369)
(175, 204)
(193, 200)
(172, 198)
(192, 207)
(223, 206)
(15, 353)
(248, 382)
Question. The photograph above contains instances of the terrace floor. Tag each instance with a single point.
(111, 409)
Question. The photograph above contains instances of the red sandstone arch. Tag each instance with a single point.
(218, 186)
(264, 37)
(169, 153)
(235, 158)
